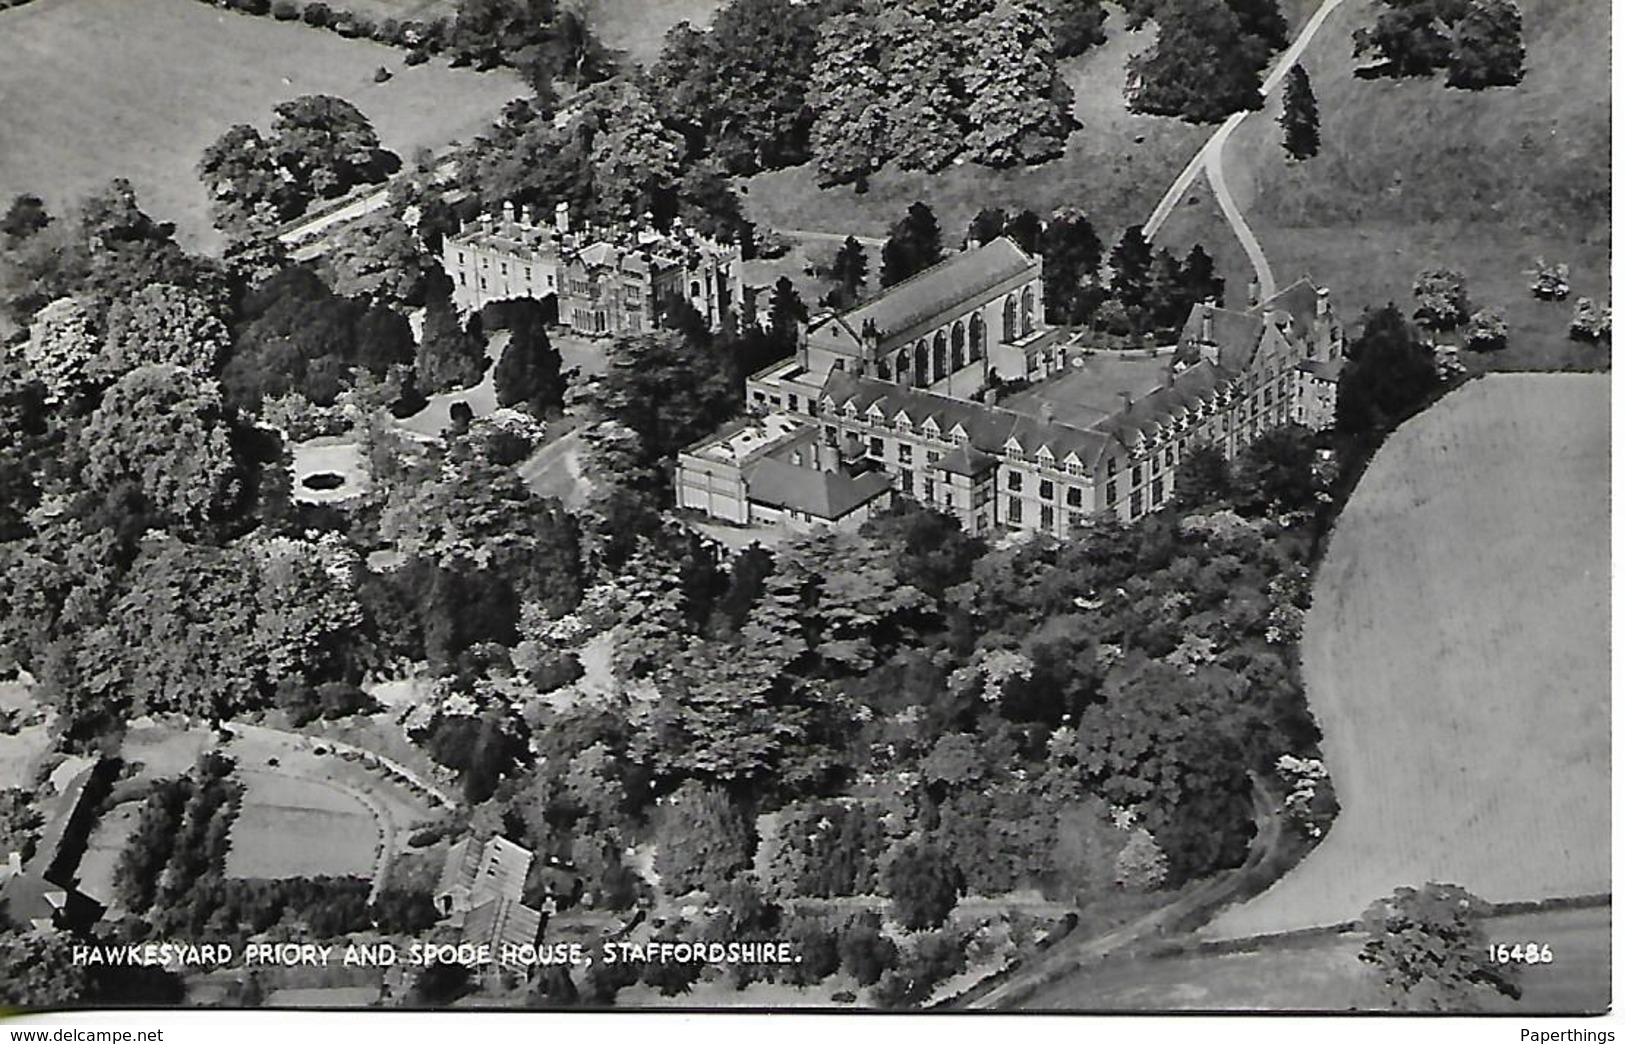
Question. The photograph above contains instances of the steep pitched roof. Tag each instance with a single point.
(502, 922)
(1235, 334)
(941, 287)
(989, 428)
(828, 495)
(1298, 300)
(495, 869)
(29, 900)
(462, 862)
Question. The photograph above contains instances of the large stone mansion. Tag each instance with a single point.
(606, 281)
(951, 385)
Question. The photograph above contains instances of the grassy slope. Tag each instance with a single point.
(1413, 175)
(1115, 168)
(636, 28)
(94, 89)
(1324, 974)
(1456, 658)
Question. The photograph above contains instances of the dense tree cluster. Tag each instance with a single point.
(1478, 42)
(914, 245)
(319, 147)
(1150, 290)
(1208, 60)
(294, 334)
(614, 158)
(922, 84)
(738, 92)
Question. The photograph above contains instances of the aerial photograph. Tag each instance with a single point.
(826, 506)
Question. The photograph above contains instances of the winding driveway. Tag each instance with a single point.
(1210, 158)
(1028, 984)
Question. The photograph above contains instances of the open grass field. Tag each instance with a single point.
(1457, 660)
(312, 811)
(1115, 168)
(294, 827)
(635, 29)
(1325, 974)
(96, 89)
(1414, 175)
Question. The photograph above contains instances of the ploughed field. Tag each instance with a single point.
(1457, 659)
(91, 90)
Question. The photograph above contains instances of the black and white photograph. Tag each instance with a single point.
(1086, 507)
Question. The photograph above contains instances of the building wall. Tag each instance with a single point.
(716, 488)
(481, 274)
(953, 351)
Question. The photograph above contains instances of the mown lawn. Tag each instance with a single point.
(96, 89)
(1115, 168)
(1414, 175)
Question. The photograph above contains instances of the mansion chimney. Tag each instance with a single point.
(1207, 321)
(507, 211)
(561, 218)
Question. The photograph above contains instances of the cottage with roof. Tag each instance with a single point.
(479, 893)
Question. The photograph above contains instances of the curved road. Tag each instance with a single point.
(1072, 957)
(1210, 158)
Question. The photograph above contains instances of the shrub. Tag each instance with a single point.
(399, 910)
(924, 885)
(818, 947)
(318, 14)
(284, 10)
(1591, 322)
(865, 953)
(1487, 331)
(704, 839)
(555, 670)
(416, 57)
(827, 849)
(342, 699)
